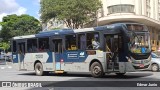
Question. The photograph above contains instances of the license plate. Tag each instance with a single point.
(141, 65)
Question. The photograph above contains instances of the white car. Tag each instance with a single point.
(155, 62)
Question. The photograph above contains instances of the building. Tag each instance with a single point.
(141, 11)
(112, 11)
(53, 24)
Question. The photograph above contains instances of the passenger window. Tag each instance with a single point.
(71, 42)
(32, 45)
(57, 46)
(43, 44)
(93, 41)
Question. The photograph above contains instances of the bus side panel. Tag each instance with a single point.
(45, 58)
(83, 64)
(49, 65)
(76, 67)
(74, 61)
(29, 61)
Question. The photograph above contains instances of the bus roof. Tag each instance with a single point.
(26, 36)
(70, 31)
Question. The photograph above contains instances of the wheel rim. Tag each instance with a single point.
(38, 70)
(97, 70)
(154, 68)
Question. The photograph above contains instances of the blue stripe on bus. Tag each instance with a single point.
(50, 58)
(72, 56)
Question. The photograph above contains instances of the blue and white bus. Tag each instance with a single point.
(116, 48)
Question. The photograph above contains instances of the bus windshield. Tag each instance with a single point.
(139, 42)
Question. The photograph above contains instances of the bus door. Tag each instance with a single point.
(21, 53)
(58, 50)
(112, 46)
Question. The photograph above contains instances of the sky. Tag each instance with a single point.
(19, 7)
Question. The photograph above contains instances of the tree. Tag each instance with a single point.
(13, 25)
(75, 13)
(5, 46)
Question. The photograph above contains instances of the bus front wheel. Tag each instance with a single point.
(39, 69)
(97, 70)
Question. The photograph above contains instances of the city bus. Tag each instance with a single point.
(116, 48)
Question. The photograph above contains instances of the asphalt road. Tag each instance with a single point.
(8, 73)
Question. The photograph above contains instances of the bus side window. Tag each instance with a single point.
(71, 42)
(43, 44)
(32, 45)
(57, 46)
(93, 40)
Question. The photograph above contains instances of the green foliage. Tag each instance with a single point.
(13, 25)
(4, 45)
(75, 13)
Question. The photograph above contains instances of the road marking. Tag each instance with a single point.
(2, 67)
(9, 67)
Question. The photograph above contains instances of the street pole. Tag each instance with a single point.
(5, 60)
(5, 57)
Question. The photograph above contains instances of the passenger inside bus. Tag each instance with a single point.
(42, 47)
(92, 41)
(32, 45)
(95, 43)
(32, 48)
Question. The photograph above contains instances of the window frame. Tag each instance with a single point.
(65, 44)
(121, 8)
(38, 44)
(93, 32)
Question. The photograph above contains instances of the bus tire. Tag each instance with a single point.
(155, 68)
(39, 69)
(96, 70)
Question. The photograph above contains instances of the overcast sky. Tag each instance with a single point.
(19, 7)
